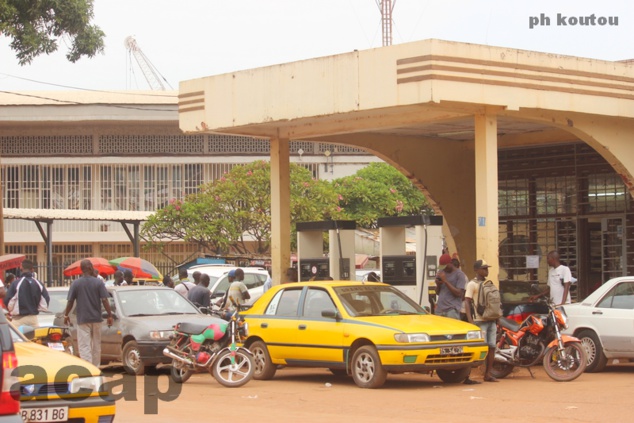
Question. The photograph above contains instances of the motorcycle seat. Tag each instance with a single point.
(509, 324)
(191, 328)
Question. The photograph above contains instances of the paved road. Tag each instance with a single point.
(314, 395)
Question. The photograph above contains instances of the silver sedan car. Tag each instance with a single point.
(144, 318)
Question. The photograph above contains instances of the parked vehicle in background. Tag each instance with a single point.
(362, 274)
(58, 295)
(515, 301)
(55, 337)
(254, 278)
(365, 330)
(54, 394)
(9, 394)
(144, 318)
(604, 322)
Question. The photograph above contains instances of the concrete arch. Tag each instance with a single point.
(444, 171)
(609, 136)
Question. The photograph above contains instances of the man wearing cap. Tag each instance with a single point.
(450, 286)
(488, 328)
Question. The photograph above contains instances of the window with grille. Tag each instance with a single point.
(606, 193)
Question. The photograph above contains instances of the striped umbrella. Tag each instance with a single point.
(140, 268)
(101, 264)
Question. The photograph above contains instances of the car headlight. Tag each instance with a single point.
(411, 337)
(474, 334)
(160, 335)
(87, 384)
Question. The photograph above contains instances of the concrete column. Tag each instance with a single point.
(280, 209)
(486, 193)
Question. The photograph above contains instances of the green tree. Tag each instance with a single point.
(379, 190)
(234, 212)
(35, 27)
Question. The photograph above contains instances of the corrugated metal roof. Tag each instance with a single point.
(58, 214)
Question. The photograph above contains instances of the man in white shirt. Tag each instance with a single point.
(559, 280)
(184, 284)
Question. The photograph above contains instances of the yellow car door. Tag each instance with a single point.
(278, 325)
(319, 338)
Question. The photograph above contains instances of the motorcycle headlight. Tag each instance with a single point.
(561, 317)
(160, 335)
(474, 334)
(245, 328)
(409, 338)
(87, 384)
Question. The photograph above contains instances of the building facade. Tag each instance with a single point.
(87, 159)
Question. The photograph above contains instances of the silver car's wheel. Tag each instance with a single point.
(367, 370)
(132, 362)
(596, 359)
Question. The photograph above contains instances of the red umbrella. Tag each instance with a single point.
(140, 268)
(9, 261)
(101, 264)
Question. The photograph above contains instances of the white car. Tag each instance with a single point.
(254, 278)
(604, 322)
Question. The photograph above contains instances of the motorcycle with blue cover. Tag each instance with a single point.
(212, 347)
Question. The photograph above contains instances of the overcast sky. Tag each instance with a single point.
(186, 39)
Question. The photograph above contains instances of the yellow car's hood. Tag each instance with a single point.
(416, 323)
(43, 364)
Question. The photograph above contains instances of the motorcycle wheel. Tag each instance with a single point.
(180, 372)
(501, 370)
(565, 370)
(233, 375)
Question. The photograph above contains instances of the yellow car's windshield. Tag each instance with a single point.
(374, 300)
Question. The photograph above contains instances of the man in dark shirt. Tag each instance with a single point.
(26, 297)
(90, 293)
(199, 294)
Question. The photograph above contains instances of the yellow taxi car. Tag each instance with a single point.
(366, 330)
(59, 387)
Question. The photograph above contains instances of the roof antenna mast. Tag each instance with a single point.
(151, 74)
(386, 7)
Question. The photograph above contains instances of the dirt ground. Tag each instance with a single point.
(314, 395)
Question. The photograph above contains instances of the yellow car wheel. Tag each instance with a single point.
(264, 368)
(367, 370)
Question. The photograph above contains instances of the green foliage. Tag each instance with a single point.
(233, 212)
(36, 26)
(379, 190)
(235, 209)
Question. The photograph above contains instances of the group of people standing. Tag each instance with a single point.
(456, 296)
(198, 291)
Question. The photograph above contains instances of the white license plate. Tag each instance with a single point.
(450, 350)
(56, 346)
(47, 414)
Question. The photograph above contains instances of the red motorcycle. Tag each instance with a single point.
(539, 338)
(212, 347)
